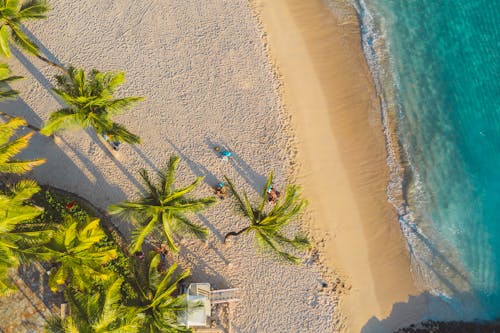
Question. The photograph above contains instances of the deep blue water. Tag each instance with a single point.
(439, 71)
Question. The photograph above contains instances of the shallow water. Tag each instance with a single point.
(437, 65)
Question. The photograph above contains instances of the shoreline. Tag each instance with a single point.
(336, 114)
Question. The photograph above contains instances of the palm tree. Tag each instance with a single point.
(268, 225)
(163, 206)
(90, 103)
(154, 296)
(98, 312)
(12, 14)
(74, 249)
(16, 235)
(8, 149)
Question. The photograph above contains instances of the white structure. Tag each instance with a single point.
(200, 300)
(198, 309)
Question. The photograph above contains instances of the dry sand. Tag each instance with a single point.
(329, 92)
(202, 67)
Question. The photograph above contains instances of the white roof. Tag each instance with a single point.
(199, 308)
(197, 315)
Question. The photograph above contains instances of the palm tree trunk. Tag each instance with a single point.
(53, 64)
(232, 233)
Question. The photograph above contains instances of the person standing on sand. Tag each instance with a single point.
(162, 267)
(224, 155)
(274, 194)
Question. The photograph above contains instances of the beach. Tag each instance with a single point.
(283, 85)
(328, 90)
(207, 82)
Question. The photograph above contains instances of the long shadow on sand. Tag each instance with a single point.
(43, 50)
(44, 81)
(458, 305)
(252, 177)
(461, 307)
(197, 168)
(204, 272)
(59, 170)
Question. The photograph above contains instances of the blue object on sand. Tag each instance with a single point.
(226, 153)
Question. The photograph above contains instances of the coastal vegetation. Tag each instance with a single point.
(17, 234)
(153, 297)
(99, 311)
(90, 104)
(10, 148)
(163, 207)
(267, 224)
(74, 248)
(12, 15)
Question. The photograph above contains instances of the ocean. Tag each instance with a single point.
(436, 64)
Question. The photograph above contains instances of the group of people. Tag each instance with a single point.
(221, 190)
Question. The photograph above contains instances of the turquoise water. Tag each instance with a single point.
(437, 67)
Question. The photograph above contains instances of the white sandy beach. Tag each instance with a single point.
(202, 67)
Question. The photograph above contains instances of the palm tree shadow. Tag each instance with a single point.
(35, 72)
(210, 226)
(252, 177)
(436, 254)
(36, 278)
(202, 272)
(145, 159)
(18, 108)
(132, 179)
(425, 306)
(197, 168)
(43, 50)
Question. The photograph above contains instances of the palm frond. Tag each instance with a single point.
(118, 106)
(110, 299)
(8, 129)
(265, 194)
(140, 234)
(265, 241)
(4, 41)
(55, 324)
(34, 9)
(60, 120)
(241, 203)
(121, 134)
(11, 6)
(132, 211)
(169, 174)
(22, 40)
(168, 232)
(152, 190)
(11, 149)
(187, 227)
(299, 241)
(183, 191)
(6, 285)
(191, 205)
